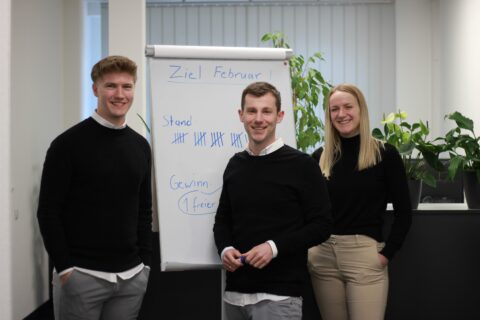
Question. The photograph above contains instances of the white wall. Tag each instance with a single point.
(460, 76)
(5, 208)
(36, 117)
(46, 99)
(71, 42)
(413, 23)
(438, 60)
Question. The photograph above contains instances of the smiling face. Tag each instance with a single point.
(344, 113)
(260, 117)
(115, 91)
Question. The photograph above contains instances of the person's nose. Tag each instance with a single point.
(258, 117)
(341, 112)
(120, 93)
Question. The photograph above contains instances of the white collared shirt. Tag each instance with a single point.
(243, 299)
(107, 123)
(277, 144)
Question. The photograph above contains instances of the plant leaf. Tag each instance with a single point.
(462, 121)
(389, 119)
(455, 163)
(377, 133)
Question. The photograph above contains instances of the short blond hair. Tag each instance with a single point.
(114, 64)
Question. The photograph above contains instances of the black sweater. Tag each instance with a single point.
(95, 199)
(281, 197)
(359, 198)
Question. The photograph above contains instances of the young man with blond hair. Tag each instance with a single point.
(95, 205)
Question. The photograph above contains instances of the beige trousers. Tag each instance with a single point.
(348, 279)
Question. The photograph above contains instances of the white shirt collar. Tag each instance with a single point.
(269, 149)
(107, 123)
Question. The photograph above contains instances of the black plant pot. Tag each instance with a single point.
(415, 188)
(471, 188)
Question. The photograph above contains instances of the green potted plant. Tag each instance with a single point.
(418, 154)
(463, 146)
(308, 89)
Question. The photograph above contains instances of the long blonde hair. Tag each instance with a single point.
(369, 154)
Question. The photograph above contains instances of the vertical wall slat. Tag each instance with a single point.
(229, 26)
(374, 62)
(337, 42)
(363, 49)
(180, 18)
(241, 29)
(204, 24)
(350, 45)
(388, 58)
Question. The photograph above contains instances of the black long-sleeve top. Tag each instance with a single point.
(281, 197)
(95, 199)
(359, 198)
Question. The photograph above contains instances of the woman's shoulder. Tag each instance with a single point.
(389, 149)
(390, 153)
(317, 154)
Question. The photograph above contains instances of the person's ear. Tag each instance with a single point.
(95, 89)
(280, 116)
(240, 114)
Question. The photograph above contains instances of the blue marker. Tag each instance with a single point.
(242, 260)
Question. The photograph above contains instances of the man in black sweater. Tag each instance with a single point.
(95, 205)
(273, 207)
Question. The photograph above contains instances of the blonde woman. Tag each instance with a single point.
(349, 271)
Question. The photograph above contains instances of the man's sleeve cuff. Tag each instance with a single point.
(274, 248)
(225, 250)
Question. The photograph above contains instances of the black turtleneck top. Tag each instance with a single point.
(359, 198)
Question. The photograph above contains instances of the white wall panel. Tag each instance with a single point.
(229, 18)
(180, 16)
(387, 54)
(192, 26)
(325, 47)
(205, 27)
(289, 26)
(218, 24)
(240, 21)
(350, 44)
(363, 50)
(276, 21)
(356, 39)
(374, 85)
(6, 245)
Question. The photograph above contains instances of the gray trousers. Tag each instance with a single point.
(290, 308)
(84, 297)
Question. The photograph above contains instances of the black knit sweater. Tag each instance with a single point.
(281, 197)
(95, 199)
(359, 198)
